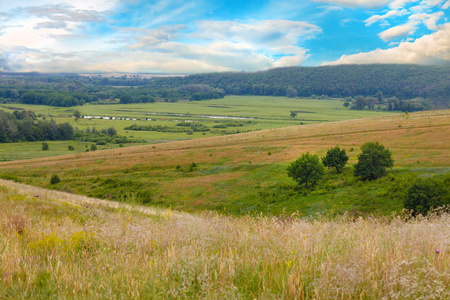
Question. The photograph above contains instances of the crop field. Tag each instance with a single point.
(59, 245)
(246, 173)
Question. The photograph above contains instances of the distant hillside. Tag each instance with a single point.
(401, 81)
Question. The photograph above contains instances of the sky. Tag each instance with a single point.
(186, 37)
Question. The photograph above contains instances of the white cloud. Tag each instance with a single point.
(392, 13)
(216, 46)
(147, 38)
(429, 49)
(431, 3)
(446, 5)
(428, 19)
(397, 4)
(267, 32)
(356, 3)
(397, 32)
(331, 8)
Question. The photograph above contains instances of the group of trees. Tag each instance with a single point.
(422, 195)
(23, 126)
(372, 163)
(180, 127)
(390, 104)
(101, 137)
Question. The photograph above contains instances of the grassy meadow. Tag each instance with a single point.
(246, 173)
(253, 113)
(57, 245)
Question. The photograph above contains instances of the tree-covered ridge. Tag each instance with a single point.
(428, 85)
(401, 81)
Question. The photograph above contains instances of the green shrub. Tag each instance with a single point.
(428, 193)
(54, 179)
(93, 147)
(44, 146)
(71, 148)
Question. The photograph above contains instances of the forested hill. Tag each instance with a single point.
(401, 81)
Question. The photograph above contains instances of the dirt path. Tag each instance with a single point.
(80, 200)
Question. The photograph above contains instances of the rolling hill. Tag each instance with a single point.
(244, 173)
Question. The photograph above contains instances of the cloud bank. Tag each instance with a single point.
(429, 49)
(175, 36)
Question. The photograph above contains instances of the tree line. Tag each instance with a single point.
(400, 81)
(23, 126)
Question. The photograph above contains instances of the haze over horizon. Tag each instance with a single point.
(172, 36)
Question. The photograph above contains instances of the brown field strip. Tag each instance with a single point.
(422, 137)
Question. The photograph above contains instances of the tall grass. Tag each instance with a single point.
(57, 245)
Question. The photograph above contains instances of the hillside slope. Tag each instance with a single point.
(58, 246)
(239, 173)
(402, 81)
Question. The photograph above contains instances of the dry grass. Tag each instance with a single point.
(57, 245)
(420, 137)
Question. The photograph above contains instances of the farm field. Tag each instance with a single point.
(59, 245)
(245, 113)
(246, 173)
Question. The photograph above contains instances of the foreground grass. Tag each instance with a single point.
(57, 245)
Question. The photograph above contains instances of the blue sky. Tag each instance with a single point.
(173, 36)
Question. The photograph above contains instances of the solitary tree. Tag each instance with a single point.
(112, 131)
(373, 161)
(77, 114)
(291, 92)
(306, 169)
(335, 158)
(44, 146)
(293, 114)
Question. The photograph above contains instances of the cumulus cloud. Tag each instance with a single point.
(392, 13)
(446, 5)
(216, 46)
(397, 4)
(397, 32)
(428, 19)
(148, 38)
(171, 57)
(432, 3)
(429, 49)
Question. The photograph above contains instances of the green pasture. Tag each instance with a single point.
(29, 150)
(254, 113)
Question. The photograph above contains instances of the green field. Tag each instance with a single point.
(255, 113)
(264, 112)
